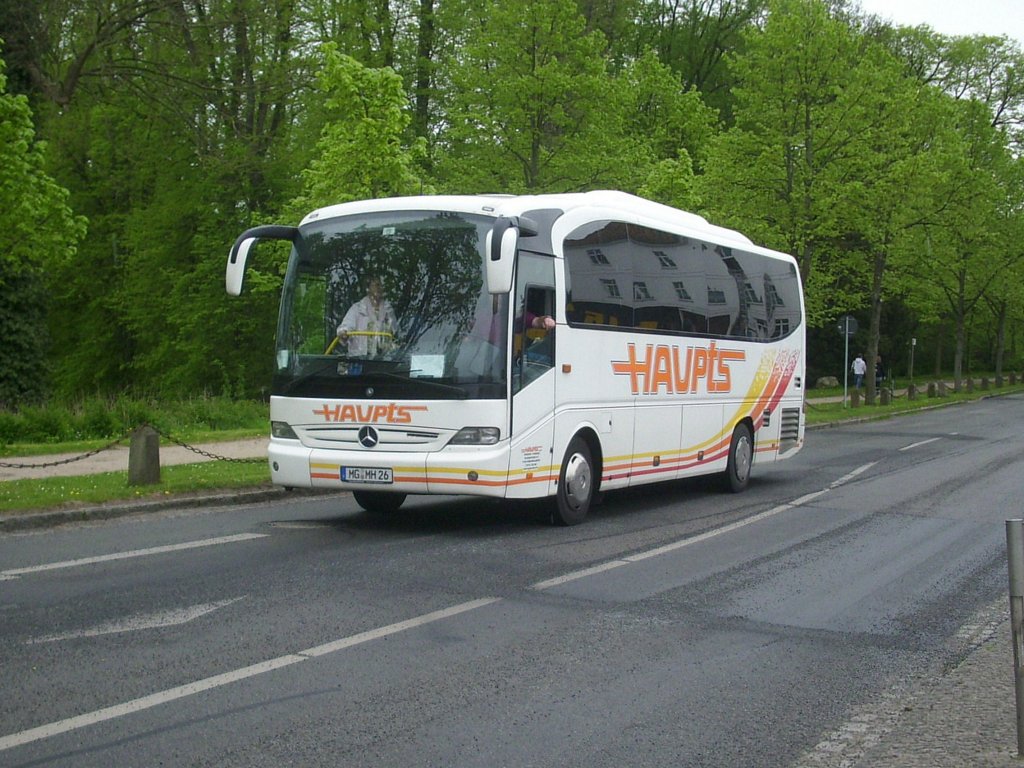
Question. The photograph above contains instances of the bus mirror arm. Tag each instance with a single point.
(502, 242)
(240, 251)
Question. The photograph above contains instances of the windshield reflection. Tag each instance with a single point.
(391, 305)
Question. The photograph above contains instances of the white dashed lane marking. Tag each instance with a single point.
(14, 573)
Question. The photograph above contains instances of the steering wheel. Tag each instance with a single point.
(334, 342)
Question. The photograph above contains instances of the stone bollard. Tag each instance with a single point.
(886, 396)
(932, 391)
(984, 382)
(1013, 378)
(911, 392)
(855, 398)
(999, 381)
(144, 457)
(969, 384)
(941, 388)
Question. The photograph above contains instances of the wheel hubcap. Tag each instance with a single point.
(743, 457)
(577, 481)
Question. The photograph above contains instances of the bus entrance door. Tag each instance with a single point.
(533, 380)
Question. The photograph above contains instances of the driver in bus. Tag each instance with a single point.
(369, 325)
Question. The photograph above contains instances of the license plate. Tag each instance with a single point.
(367, 475)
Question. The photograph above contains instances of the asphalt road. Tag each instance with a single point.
(678, 626)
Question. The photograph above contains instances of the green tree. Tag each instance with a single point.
(895, 160)
(830, 159)
(966, 254)
(695, 37)
(362, 151)
(38, 231)
(778, 174)
(179, 138)
(971, 236)
(533, 108)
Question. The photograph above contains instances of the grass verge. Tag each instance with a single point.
(824, 413)
(190, 436)
(65, 492)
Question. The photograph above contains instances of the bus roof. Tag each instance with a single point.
(614, 204)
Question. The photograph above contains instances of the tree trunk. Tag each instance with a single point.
(961, 333)
(874, 326)
(424, 67)
(1000, 339)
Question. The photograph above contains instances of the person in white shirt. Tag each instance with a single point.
(859, 369)
(369, 325)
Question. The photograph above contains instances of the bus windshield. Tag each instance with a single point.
(391, 305)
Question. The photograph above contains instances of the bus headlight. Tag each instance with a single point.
(282, 429)
(476, 436)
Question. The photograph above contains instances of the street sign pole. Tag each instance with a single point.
(846, 358)
(847, 326)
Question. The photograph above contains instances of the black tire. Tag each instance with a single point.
(379, 501)
(575, 485)
(741, 457)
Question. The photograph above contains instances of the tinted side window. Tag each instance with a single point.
(601, 275)
(768, 295)
(632, 276)
(665, 276)
(727, 298)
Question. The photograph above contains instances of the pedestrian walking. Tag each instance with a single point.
(859, 369)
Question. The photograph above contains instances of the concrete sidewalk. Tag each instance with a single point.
(116, 459)
(964, 717)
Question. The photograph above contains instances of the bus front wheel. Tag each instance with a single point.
(377, 501)
(741, 456)
(575, 484)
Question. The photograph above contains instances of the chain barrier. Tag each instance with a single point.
(60, 462)
(200, 451)
(167, 436)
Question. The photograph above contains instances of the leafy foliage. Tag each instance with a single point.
(37, 229)
(884, 159)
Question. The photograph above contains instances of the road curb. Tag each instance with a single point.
(50, 518)
(883, 416)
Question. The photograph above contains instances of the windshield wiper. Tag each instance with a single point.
(451, 389)
(315, 372)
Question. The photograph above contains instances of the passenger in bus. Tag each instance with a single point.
(369, 325)
(482, 352)
(539, 322)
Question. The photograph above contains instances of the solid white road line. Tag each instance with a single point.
(16, 572)
(216, 681)
(640, 556)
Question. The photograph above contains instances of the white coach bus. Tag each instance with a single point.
(676, 349)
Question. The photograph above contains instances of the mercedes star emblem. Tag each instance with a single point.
(368, 437)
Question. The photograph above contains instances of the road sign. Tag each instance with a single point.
(847, 325)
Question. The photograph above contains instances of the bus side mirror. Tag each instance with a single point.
(502, 241)
(239, 254)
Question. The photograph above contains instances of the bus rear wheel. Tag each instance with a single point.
(741, 457)
(575, 484)
(378, 501)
